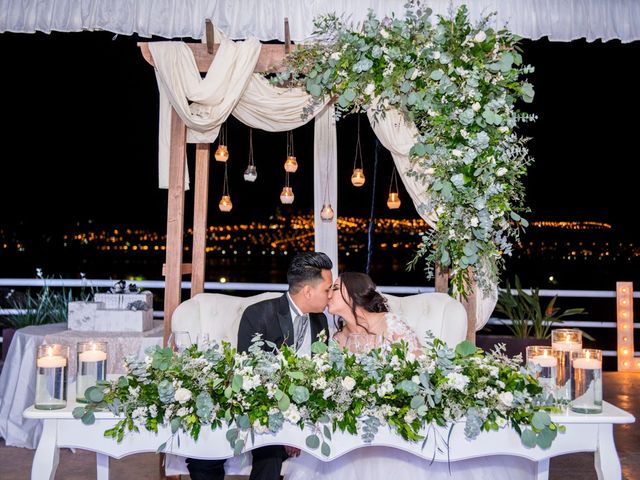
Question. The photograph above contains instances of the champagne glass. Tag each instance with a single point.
(179, 341)
(203, 341)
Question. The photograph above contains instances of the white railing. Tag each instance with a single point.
(227, 286)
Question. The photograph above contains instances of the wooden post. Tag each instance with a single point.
(442, 279)
(175, 220)
(470, 306)
(209, 35)
(200, 204)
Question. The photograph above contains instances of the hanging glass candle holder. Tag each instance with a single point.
(327, 213)
(225, 204)
(287, 196)
(222, 152)
(358, 178)
(250, 174)
(393, 201)
(290, 164)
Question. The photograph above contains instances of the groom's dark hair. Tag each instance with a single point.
(306, 267)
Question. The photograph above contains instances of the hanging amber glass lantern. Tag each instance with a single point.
(225, 204)
(250, 174)
(327, 213)
(287, 196)
(393, 201)
(290, 164)
(222, 152)
(358, 178)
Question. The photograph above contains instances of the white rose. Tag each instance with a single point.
(475, 107)
(501, 171)
(336, 55)
(456, 153)
(348, 383)
(429, 171)
(474, 221)
(501, 422)
(436, 55)
(503, 129)
(182, 395)
(480, 37)
(415, 74)
(506, 398)
(384, 33)
(369, 89)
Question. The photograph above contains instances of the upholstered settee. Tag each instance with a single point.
(219, 316)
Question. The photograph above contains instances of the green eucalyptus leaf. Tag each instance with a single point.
(325, 449)
(465, 348)
(313, 441)
(238, 446)
(528, 438)
(78, 412)
(88, 418)
(236, 383)
(175, 424)
(540, 420)
(284, 402)
(94, 394)
(327, 432)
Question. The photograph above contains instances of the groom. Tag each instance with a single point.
(296, 319)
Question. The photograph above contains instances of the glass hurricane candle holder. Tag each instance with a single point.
(92, 367)
(567, 345)
(587, 382)
(544, 364)
(52, 363)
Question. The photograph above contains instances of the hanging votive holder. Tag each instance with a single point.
(567, 345)
(287, 196)
(291, 164)
(544, 365)
(327, 213)
(358, 178)
(52, 363)
(92, 367)
(393, 201)
(225, 204)
(222, 153)
(587, 382)
(251, 173)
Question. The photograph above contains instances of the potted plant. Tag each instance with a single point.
(530, 323)
(46, 306)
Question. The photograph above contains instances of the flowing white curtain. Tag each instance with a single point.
(560, 20)
(398, 136)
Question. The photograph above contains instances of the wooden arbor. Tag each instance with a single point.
(270, 60)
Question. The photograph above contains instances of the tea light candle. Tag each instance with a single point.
(567, 345)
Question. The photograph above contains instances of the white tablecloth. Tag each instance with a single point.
(18, 378)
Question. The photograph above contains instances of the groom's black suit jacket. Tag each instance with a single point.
(272, 318)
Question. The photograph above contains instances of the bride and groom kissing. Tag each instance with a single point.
(297, 319)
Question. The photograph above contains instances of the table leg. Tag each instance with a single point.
(47, 456)
(102, 466)
(606, 458)
(542, 469)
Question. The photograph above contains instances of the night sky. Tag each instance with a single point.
(85, 105)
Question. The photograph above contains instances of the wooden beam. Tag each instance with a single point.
(270, 60)
(210, 35)
(175, 220)
(186, 269)
(470, 306)
(287, 36)
(442, 279)
(200, 203)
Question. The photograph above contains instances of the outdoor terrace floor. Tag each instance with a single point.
(620, 389)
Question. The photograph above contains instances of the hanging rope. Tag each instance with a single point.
(372, 211)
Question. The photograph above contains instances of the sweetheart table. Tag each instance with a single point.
(584, 433)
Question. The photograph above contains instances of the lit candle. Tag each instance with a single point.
(544, 360)
(92, 356)
(567, 345)
(587, 363)
(51, 361)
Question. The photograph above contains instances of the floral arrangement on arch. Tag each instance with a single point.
(458, 83)
(257, 391)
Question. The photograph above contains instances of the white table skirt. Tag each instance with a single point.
(18, 378)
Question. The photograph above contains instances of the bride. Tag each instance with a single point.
(361, 309)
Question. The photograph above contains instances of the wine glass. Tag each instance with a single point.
(203, 341)
(179, 341)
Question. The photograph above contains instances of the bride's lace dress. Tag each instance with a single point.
(379, 463)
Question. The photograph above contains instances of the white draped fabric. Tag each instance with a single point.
(231, 87)
(398, 136)
(560, 20)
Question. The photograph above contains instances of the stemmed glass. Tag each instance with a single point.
(179, 341)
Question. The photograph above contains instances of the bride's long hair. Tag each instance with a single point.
(360, 292)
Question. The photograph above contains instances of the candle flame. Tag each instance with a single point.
(49, 352)
(587, 354)
(93, 347)
(566, 337)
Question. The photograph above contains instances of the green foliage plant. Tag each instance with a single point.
(528, 317)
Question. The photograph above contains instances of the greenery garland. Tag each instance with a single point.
(458, 83)
(255, 392)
